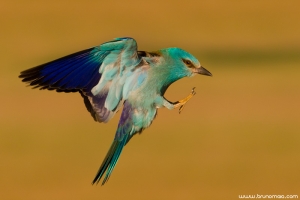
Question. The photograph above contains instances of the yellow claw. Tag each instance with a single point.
(181, 103)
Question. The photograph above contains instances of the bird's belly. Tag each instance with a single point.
(143, 108)
(143, 117)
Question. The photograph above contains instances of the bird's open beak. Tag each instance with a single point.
(203, 71)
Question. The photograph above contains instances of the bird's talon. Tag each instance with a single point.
(181, 103)
(181, 108)
(193, 91)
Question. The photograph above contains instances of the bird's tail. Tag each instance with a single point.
(110, 160)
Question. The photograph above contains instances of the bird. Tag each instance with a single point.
(113, 75)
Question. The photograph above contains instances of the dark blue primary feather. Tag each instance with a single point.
(76, 71)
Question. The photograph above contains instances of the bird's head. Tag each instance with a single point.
(185, 61)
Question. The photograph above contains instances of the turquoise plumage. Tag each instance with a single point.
(115, 74)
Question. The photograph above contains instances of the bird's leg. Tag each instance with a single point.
(181, 103)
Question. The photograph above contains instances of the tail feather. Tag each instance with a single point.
(110, 160)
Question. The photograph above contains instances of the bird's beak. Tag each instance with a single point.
(203, 71)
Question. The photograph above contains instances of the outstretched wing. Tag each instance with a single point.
(102, 74)
(133, 120)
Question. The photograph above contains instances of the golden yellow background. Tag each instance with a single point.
(239, 135)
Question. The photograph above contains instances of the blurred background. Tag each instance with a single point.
(239, 135)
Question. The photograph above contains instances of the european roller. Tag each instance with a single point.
(113, 74)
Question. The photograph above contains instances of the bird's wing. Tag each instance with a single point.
(102, 74)
(133, 120)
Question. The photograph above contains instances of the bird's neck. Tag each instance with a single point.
(163, 77)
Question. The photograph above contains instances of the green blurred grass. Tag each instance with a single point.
(238, 135)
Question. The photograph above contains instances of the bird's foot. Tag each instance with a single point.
(181, 103)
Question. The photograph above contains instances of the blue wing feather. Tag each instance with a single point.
(79, 77)
(70, 72)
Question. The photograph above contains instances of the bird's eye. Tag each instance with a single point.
(187, 62)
